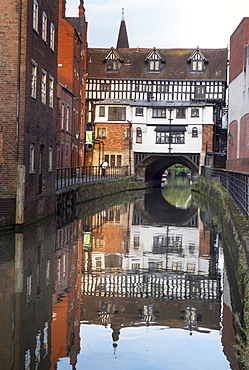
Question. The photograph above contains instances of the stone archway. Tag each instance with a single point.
(152, 167)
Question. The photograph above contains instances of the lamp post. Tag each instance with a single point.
(170, 136)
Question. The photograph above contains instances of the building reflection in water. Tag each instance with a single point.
(152, 264)
(132, 265)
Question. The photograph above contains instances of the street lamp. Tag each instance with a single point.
(170, 136)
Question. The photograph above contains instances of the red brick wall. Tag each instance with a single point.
(35, 122)
(207, 138)
(244, 135)
(39, 122)
(238, 40)
(8, 88)
(72, 47)
(232, 140)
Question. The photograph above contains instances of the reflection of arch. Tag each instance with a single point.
(158, 211)
(138, 135)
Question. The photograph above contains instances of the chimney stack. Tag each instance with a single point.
(81, 8)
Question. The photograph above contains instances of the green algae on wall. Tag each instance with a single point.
(230, 220)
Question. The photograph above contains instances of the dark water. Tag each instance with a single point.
(140, 284)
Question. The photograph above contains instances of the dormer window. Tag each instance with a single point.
(112, 65)
(154, 61)
(112, 61)
(197, 65)
(154, 65)
(197, 62)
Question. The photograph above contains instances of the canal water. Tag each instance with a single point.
(130, 282)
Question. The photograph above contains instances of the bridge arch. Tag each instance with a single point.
(152, 166)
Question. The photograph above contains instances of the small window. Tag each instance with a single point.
(128, 133)
(34, 79)
(50, 159)
(200, 92)
(52, 36)
(112, 160)
(51, 91)
(68, 118)
(101, 111)
(62, 115)
(176, 266)
(139, 111)
(136, 241)
(101, 132)
(154, 65)
(105, 87)
(43, 87)
(197, 65)
(32, 158)
(194, 132)
(159, 113)
(44, 26)
(119, 160)
(116, 114)
(138, 135)
(112, 65)
(194, 112)
(35, 15)
(181, 113)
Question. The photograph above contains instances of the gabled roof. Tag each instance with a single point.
(197, 54)
(154, 53)
(113, 54)
(177, 66)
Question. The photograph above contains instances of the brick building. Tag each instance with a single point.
(152, 107)
(72, 44)
(28, 69)
(238, 113)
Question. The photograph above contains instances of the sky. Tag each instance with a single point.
(162, 23)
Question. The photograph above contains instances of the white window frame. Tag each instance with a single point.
(50, 158)
(34, 79)
(67, 118)
(44, 87)
(35, 15)
(51, 91)
(31, 158)
(52, 36)
(44, 26)
(62, 115)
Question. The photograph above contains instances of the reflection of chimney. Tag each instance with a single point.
(81, 8)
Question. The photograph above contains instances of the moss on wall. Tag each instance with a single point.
(234, 226)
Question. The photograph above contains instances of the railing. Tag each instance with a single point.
(237, 183)
(68, 176)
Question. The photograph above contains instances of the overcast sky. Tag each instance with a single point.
(162, 23)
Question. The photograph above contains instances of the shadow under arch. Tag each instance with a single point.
(155, 210)
(152, 167)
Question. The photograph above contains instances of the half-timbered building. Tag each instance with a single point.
(153, 107)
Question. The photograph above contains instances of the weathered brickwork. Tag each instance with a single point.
(72, 45)
(115, 144)
(238, 41)
(244, 135)
(207, 138)
(27, 120)
(232, 140)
